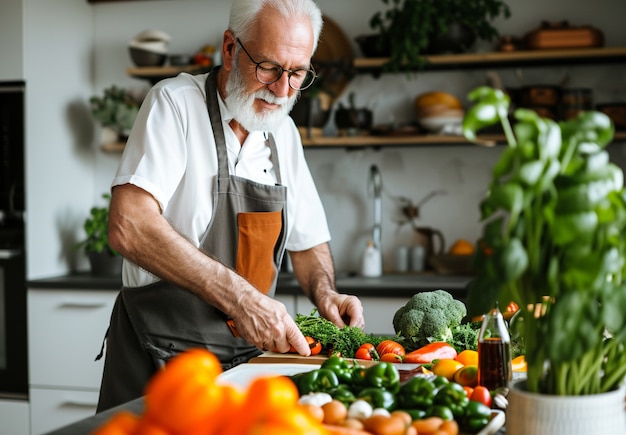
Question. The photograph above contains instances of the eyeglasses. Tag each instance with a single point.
(268, 72)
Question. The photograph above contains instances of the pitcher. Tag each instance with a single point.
(433, 242)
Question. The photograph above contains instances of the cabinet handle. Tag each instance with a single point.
(7, 254)
(86, 305)
(76, 403)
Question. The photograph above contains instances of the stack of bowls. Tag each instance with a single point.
(439, 112)
(149, 48)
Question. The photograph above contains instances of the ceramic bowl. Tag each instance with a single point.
(436, 124)
(141, 57)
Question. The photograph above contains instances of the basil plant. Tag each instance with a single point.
(553, 241)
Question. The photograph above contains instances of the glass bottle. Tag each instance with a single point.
(494, 351)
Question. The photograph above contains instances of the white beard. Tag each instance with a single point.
(242, 104)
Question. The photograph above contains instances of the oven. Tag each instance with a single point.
(13, 345)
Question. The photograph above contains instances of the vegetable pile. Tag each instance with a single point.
(359, 393)
(184, 398)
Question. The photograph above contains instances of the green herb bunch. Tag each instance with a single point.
(344, 341)
(554, 240)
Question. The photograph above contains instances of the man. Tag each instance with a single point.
(211, 189)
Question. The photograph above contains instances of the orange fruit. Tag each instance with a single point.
(468, 357)
(446, 368)
(467, 376)
(462, 247)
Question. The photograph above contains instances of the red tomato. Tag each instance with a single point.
(367, 352)
(468, 391)
(481, 394)
(390, 346)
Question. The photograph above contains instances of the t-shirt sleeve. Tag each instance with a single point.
(155, 156)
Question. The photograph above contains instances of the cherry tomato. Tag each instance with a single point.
(481, 394)
(468, 391)
(314, 345)
(367, 351)
(390, 346)
(512, 307)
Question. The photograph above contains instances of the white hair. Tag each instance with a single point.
(244, 13)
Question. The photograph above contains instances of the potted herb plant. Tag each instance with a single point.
(116, 109)
(554, 242)
(413, 28)
(102, 258)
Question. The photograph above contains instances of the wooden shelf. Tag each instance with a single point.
(156, 73)
(510, 59)
(487, 140)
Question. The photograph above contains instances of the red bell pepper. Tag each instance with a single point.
(431, 352)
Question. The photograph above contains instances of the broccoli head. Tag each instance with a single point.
(429, 316)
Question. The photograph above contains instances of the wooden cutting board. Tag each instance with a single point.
(292, 358)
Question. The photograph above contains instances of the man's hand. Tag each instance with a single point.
(266, 324)
(342, 310)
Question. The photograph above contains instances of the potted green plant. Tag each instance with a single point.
(116, 109)
(103, 259)
(554, 242)
(413, 28)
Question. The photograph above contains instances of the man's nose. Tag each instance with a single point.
(281, 86)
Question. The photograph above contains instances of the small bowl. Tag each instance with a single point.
(142, 57)
(437, 123)
(180, 59)
(154, 46)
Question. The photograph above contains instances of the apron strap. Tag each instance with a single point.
(210, 87)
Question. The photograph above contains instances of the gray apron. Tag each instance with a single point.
(246, 233)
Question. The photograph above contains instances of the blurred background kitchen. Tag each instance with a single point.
(63, 52)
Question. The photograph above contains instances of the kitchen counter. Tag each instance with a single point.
(390, 285)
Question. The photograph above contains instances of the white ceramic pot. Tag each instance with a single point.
(542, 414)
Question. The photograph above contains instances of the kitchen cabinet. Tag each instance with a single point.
(66, 328)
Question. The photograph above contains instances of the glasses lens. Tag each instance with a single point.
(268, 73)
(301, 79)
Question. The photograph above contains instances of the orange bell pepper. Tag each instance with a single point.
(430, 352)
(519, 364)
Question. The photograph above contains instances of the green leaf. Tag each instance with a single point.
(512, 260)
(571, 227)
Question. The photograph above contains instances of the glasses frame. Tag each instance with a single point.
(290, 72)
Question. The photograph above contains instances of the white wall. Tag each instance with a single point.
(60, 150)
(73, 49)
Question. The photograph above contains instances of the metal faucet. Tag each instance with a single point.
(376, 182)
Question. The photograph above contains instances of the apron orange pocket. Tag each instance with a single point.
(258, 235)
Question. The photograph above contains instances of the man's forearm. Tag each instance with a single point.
(314, 270)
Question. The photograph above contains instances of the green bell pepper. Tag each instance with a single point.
(341, 367)
(441, 411)
(476, 417)
(342, 393)
(454, 397)
(382, 375)
(320, 380)
(416, 414)
(378, 398)
(416, 393)
(440, 381)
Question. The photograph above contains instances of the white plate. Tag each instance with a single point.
(243, 374)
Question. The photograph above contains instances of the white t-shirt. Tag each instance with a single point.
(171, 154)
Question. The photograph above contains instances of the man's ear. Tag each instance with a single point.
(229, 46)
